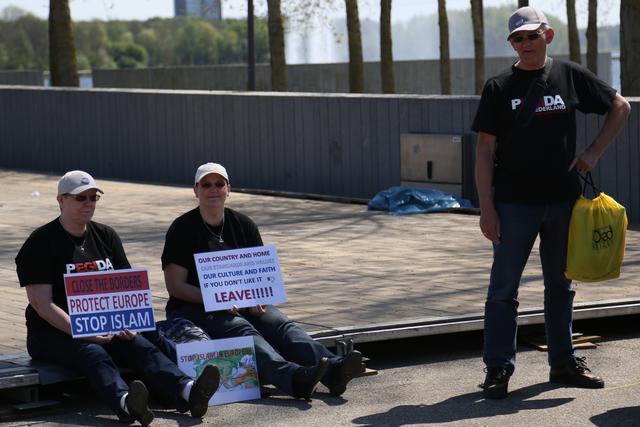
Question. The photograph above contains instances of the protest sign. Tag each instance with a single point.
(236, 361)
(109, 301)
(242, 277)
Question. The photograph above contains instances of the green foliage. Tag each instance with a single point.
(156, 42)
(197, 43)
(23, 41)
(128, 55)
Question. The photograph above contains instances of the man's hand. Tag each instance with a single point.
(490, 223)
(584, 162)
(258, 310)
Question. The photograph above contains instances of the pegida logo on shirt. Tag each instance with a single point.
(548, 104)
(83, 267)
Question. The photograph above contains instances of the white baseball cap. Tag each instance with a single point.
(75, 182)
(209, 168)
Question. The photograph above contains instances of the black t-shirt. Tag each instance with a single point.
(188, 235)
(50, 252)
(532, 162)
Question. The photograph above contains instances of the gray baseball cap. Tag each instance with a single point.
(75, 182)
(526, 19)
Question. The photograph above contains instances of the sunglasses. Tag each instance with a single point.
(207, 185)
(530, 37)
(82, 198)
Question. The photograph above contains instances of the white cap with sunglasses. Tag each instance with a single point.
(209, 168)
(526, 19)
(75, 182)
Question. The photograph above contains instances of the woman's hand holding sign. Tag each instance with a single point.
(258, 310)
(100, 339)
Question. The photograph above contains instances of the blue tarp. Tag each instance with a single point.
(410, 200)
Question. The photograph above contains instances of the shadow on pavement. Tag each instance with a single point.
(465, 407)
(619, 417)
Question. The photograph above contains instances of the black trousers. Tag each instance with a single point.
(99, 364)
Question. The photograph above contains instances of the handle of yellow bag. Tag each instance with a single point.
(588, 182)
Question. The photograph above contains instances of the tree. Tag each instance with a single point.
(386, 48)
(445, 58)
(356, 66)
(574, 38)
(12, 13)
(629, 42)
(129, 55)
(276, 46)
(93, 44)
(478, 42)
(592, 37)
(197, 43)
(62, 52)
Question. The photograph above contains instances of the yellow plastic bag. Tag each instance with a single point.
(597, 233)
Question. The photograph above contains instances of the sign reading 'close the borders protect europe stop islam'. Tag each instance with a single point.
(109, 301)
(241, 277)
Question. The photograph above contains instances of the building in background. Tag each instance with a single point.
(208, 9)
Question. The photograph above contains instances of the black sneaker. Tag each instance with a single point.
(346, 370)
(496, 383)
(306, 379)
(138, 403)
(202, 390)
(576, 374)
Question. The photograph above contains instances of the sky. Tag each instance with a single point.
(403, 10)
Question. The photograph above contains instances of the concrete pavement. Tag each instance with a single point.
(343, 266)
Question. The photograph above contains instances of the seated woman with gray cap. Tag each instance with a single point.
(72, 243)
(287, 356)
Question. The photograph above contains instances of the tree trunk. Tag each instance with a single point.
(386, 48)
(445, 59)
(62, 52)
(276, 47)
(592, 37)
(478, 42)
(523, 3)
(356, 66)
(629, 52)
(574, 39)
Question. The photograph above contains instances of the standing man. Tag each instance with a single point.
(527, 180)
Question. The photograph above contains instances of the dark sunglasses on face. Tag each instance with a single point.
(530, 37)
(207, 185)
(82, 198)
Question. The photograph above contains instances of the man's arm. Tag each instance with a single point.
(489, 219)
(616, 118)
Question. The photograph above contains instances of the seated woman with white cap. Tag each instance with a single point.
(70, 243)
(287, 356)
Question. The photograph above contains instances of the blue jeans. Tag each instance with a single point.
(519, 226)
(281, 346)
(99, 364)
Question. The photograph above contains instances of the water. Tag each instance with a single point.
(86, 81)
(615, 70)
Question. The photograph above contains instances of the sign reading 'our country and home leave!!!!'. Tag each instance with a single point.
(109, 301)
(241, 277)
